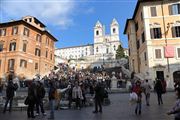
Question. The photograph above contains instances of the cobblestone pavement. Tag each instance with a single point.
(120, 109)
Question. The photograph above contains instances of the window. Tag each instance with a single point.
(3, 32)
(141, 16)
(129, 51)
(24, 47)
(114, 47)
(178, 52)
(36, 66)
(174, 9)
(23, 63)
(46, 53)
(51, 56)
(97, 49)
(114, 30)
(138, 44)
(30, 19)
(136, 26)
(155, 33)
(176, 31)
(11, 63)
(12, 46)
(38, 38)
(153, 12)
(158, 54)
(97, 32)
(47, 41)
(143, 37)
(26, 32)
(1, 47)
(14, 30)
(37, 52)
(145, 56)
(107, 50)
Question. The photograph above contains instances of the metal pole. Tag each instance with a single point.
(165, 34)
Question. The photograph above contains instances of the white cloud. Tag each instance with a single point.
(54, 12)
(90, 10)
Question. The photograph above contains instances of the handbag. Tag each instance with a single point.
(26, 102)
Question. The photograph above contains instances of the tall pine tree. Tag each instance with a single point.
(120, 52)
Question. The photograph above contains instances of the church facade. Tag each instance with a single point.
(100, 53)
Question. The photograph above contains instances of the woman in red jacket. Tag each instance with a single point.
(138, 90)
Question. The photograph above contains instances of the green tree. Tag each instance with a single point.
(120, 52)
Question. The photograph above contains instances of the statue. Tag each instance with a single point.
(113, 81)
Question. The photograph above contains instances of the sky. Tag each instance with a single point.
(71, 21)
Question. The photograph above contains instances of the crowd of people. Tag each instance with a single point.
(76, 85)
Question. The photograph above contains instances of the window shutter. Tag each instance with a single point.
(14, 46)
(173, 32)
(178, 52)
(159, 31)
(178, 8)
(152, 33)
(160, 54)
(170, 9)
(156, 53)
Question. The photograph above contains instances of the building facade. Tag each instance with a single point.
(154, 40)
(103, 49)
(26, 47)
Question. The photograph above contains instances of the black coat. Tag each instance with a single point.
(10, 90)
(99, 91)
(32, 93)
(158, 87)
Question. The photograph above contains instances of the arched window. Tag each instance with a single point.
(12, 46)
(114, 30)
(97, 32)
(114, 47)
(1, 46)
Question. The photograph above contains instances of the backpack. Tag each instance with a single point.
(15, 86)
(163, 86)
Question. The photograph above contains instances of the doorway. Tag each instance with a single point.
(176, 76)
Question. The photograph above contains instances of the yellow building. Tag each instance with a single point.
(154, 40)
(26, 47)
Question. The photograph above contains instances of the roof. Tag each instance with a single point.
(26, 17)
(136, 9)
(76, 46)
(17, 22)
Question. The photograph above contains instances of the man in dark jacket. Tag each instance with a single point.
(31, 100)
(9, 95)
(52, 96)
(98, 97)
(40, 95)
(159, 90)
(11, 87)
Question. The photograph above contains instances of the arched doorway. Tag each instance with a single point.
(176, 76)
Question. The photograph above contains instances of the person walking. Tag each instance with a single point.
(176, 108)
(77, 95)
(147, 91)
(31, 99)
(98, 97)
(52, 96)
(11, 88)
(138, 90)
(40, 95)
(159, 90)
